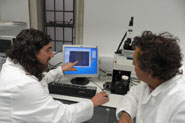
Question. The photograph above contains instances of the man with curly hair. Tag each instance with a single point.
(24, 95)
(160, 97)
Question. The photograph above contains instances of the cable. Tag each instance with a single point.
(97, 85)
(106, 91)
(117, 51)
(57, 52)
(54, 66)
(103, 71)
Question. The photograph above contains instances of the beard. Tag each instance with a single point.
(46, 67)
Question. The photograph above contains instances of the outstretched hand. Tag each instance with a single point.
(100, 98)
(69, 66)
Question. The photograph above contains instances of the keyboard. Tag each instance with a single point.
(72, 90)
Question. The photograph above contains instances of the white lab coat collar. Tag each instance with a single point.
(161, 88)
(168, 84)
(10, 62)
(17, 66)
(165, 85)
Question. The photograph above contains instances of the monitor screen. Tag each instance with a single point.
(5, 43)
(87, 66)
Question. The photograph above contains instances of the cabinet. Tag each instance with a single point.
(59, 22)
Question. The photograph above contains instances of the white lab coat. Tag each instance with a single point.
(23, 99)
(165, 104)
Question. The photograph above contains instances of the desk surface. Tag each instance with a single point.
(114, 99)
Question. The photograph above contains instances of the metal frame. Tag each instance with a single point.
(63, 25)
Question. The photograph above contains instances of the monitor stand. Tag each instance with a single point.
(80, 81)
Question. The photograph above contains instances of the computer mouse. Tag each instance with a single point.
(107, 86)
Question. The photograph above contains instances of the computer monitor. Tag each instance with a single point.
(5, 43)
(87, 66)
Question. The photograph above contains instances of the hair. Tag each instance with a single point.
(159, 54)
(24, 49)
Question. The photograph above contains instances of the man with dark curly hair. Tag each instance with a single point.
(160, 97)
(24, 95)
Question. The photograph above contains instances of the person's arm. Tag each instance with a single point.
(178, 116)
(125, 117)
(34, 104)
(129, 102)
(57, 73)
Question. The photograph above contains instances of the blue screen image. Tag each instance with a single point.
(81, 57)
(87, 60)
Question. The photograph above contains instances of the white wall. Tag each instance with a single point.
(106, 21)
(14, 10)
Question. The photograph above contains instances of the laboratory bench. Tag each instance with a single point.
(105, 113)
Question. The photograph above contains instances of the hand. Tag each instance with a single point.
(100, 98)
(69, 66)
(125, 118)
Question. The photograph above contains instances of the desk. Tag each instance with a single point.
(114, 99)
(106, 108)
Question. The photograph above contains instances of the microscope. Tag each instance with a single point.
(123, 69)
